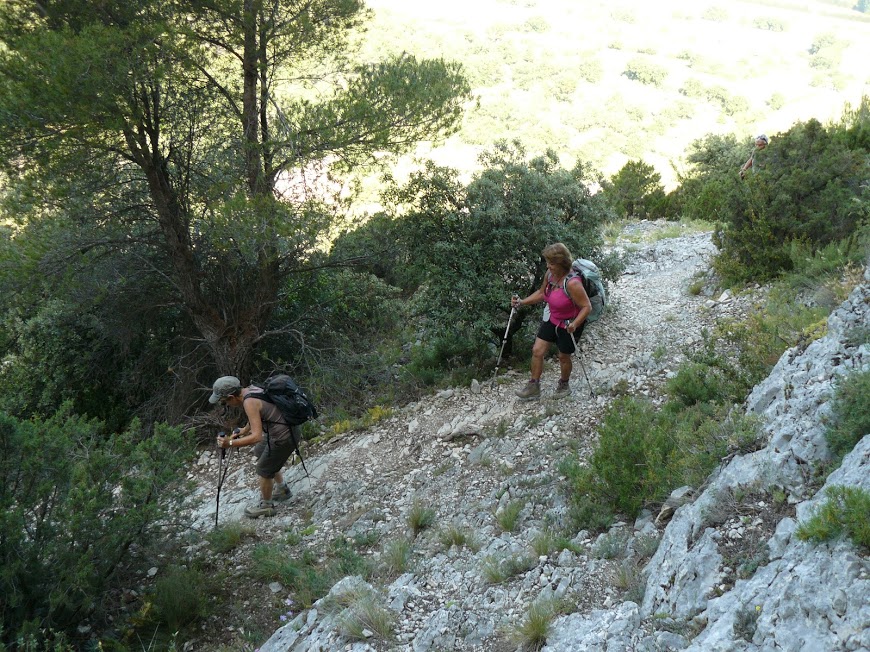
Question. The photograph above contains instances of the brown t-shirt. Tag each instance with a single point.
(274, 425)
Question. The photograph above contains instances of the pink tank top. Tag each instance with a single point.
(561, 305)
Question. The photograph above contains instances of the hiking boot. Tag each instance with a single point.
(562, 389)
(530, 391)
(263, 508)
(282, 492)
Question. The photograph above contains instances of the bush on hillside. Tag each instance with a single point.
(645, 72)
(636, 191)
(850, 413)
(74, 499)
(480, 243)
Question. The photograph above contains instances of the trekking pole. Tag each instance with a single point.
(223, 467)
(504, 339)
(582, 366)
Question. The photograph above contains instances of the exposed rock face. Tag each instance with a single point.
(473, 454)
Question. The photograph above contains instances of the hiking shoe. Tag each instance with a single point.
(263, 508)
(562, 389)
(281, 493)
(530, 391)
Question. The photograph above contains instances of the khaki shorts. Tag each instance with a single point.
(271, 455)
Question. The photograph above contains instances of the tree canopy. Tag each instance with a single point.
(185, 147)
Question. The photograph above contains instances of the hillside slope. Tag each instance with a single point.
(473, 456)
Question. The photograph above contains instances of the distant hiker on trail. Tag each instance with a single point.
(568, 306)
(267, 431)
(761, 141)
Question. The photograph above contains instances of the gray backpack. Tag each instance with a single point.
(590, 275)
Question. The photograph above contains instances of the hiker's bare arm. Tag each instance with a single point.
(253, 432)
(581, 300)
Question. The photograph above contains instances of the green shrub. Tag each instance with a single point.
(636, 191)
(308, 577)
(228, 536)
(69, 489)
(396, 557)
(846, 512)
(698, 383)
(181, 597)
(645, 72)
(507, 517)
(420, 517)
(851, 413)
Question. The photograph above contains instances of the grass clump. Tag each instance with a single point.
(846, 512)
(365, 620)
(851, 413)
(180, 597)
(453, 535)
(497, 568)
(396, 557)
(307, 576)
(531, 634)
(228, 537)
(420, 517)
(507, 518)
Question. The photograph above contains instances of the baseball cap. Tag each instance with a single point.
(762, 137)
(223, 387)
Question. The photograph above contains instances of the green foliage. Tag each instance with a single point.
(420, 517)
(846, 512)
(396, 557)
(805, 186)
(69, 488)
(636, 191)
(497, 569)
(850, 410)
(307, 576)
(531, 634)
(481, 243)
(228, 537)
(181, 597)
(645, 72)
(507, 518)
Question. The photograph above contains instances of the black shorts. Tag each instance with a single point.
(548, 332)
(271, 456)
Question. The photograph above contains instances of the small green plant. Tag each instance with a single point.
(846, 512)
(497, 569)
(534, 629)
(746, 621)
(630, 580)
(507, 518)
(420, 517)
(228, 537)
(611, 545)
(543, 543)
(696, 286)
(659, 353)
(645, 546)
(396, 557)
(851, 413)
(180, 597)
(363, 618)
(453, 535)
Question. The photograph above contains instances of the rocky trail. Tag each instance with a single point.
(481, 467)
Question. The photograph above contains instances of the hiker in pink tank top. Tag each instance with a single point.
(565, 315)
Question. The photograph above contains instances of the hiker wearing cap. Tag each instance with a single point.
(564, 318)
(761, 141)
(272, 449)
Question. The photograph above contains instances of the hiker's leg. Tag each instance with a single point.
(566, 351)
(265, 488)
(539, 350)
(269, 465)
(565, 365)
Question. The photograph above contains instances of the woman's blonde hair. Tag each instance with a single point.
(558, 255)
